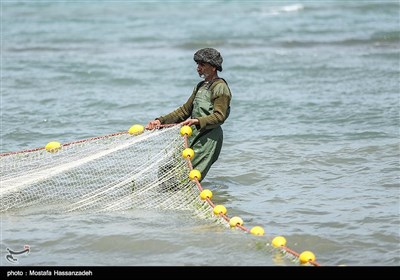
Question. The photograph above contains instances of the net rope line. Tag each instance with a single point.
(223, 215)
(35, 176)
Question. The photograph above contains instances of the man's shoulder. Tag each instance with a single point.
(221, 88)
(219, 85)
(219, 81)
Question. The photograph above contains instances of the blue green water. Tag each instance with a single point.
(311, 147)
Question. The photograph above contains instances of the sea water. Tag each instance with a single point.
(311, 148)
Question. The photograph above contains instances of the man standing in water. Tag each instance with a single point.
(205, 111)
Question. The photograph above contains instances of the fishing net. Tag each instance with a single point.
(113, 172)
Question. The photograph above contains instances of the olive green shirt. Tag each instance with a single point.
(220, 100)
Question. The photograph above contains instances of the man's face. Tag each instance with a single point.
(205, 70)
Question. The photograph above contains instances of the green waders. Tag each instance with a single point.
(206, 144)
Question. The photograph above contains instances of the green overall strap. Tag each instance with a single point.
(213, 84)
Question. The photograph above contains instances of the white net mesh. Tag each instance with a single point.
(109, 173)
(114, 172)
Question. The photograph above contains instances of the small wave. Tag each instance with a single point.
(283, 9)
(387, 39)
(36, 49)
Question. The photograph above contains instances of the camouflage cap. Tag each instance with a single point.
(209, 55)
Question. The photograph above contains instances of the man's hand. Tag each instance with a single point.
(190, 122)
(153, 124)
